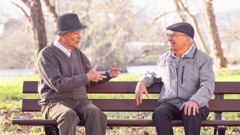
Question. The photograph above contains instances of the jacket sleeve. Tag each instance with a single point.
(49, 71)
(207, 83)
(151, 78)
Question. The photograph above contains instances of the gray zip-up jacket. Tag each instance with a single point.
(194, 80)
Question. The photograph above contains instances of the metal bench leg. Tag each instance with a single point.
(219, 130)
(51, 130)
(215, 130)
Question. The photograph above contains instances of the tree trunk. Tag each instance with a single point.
(38, 23)
(215, 43)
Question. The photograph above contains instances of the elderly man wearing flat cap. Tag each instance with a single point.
(64, 73)
(188, 78)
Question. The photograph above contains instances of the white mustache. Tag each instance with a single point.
(171, 42)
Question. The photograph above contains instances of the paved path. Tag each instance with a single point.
(16, 72)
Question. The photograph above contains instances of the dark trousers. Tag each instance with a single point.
(166, 112)
(68, 113)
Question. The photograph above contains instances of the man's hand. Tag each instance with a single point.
(114, 72)
(188, 107)
(140, 89)
(95, 76)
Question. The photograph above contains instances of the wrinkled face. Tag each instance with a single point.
(179, 42)
(71, 39)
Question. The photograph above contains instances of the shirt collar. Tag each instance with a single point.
(62, 48)
(184, 54)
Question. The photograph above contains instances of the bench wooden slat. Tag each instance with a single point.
(30, 87)
(110, 87)
(227, 88)
(125, 105)
(148, 105)
(129, 87)
(126, 122)
(122, 88)
(224, 105)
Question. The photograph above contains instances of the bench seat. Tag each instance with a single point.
(126, 122)
(218, 105)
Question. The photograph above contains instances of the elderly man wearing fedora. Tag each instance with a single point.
(64, 73)
(188, 78)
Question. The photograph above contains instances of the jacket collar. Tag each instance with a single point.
(192, 53)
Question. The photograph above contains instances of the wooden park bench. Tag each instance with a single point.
(216, 105)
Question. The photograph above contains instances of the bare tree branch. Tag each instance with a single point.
(179, 11)
(181, 5)
(26, 2)
(161, 16)
(51, 10)
(24, 12)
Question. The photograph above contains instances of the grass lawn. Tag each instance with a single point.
(11, 95)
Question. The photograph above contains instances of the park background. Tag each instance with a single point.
(130, 32)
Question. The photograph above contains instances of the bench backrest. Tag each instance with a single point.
(148, 105)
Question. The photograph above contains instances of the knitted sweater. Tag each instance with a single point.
(62, 77)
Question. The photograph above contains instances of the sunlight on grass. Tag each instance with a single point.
(227, 74)
(11, 87)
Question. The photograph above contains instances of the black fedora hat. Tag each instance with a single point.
(68, 22)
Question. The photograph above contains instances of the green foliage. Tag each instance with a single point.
(225, 74)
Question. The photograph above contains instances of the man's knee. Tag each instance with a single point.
(69, 116)
(160, 111)
(202, 115)
(92, 113)
(95, 112)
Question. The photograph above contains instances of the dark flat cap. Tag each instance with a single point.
(183, 27)
(68, 22)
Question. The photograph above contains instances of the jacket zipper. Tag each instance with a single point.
(177, 79)
(182, 74)
(182, 81)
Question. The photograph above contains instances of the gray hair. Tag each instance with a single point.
(191, 41)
